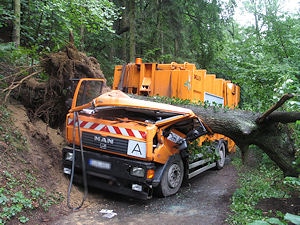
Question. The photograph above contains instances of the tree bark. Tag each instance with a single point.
(272, 135)
(132, 53)
(17, 23)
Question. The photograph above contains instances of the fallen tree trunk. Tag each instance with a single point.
(269, 132)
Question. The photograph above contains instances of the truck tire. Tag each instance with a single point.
(221, 151)
(172, 177)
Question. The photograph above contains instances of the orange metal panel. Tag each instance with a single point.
(218, 87)
(209, 82)
(162, 83)
(117, 76)
(184, 84)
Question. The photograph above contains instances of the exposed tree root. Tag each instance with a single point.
(46, 99)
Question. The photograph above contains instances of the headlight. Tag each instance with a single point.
(67, 171)
(137, 187)
(137, 171)
(69, 156)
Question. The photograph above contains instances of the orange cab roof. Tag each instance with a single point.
(119, 98)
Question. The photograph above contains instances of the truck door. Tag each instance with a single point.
(87, 89)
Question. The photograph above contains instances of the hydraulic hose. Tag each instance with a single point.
(84, 177)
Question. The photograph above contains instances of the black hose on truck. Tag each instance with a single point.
(84, 177)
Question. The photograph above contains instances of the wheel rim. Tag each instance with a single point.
(221, 161)
(174, 176)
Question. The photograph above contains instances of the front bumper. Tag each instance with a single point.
(110, 173)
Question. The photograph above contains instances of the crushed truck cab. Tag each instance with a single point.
(131, 146)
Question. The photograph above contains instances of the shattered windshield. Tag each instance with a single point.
(129, 113)
(89, 89)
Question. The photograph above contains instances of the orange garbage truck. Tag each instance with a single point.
(135, 147)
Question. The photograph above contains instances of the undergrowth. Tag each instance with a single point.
(265, 180)
(20, 193)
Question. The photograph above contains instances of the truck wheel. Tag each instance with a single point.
(172, 177)
(221, 151)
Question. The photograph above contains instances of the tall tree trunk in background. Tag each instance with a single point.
(132, 53)
(82, 37)
(17, 23)
(256, 16)
(124, 23)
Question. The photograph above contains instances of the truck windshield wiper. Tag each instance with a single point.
(126, 120)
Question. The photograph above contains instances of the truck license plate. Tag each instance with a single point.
(99, 164)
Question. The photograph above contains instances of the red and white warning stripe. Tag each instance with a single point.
(111, 129)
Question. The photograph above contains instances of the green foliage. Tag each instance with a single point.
(6, 52)
(267, 222)
(154, 55)
(292, 218)
(295, 219)
(293, 183)
(265, 181)
(176, 30)
(263, 60)
(171, 101)
(5, 14)
(44, 30)
(17, 196)
(206, 151)
(23, 219)
(17, 56)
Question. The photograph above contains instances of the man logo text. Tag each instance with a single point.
(104, 140)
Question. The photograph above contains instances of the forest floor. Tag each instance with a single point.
(205, 200)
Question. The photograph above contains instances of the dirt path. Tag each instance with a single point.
(204, 200)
